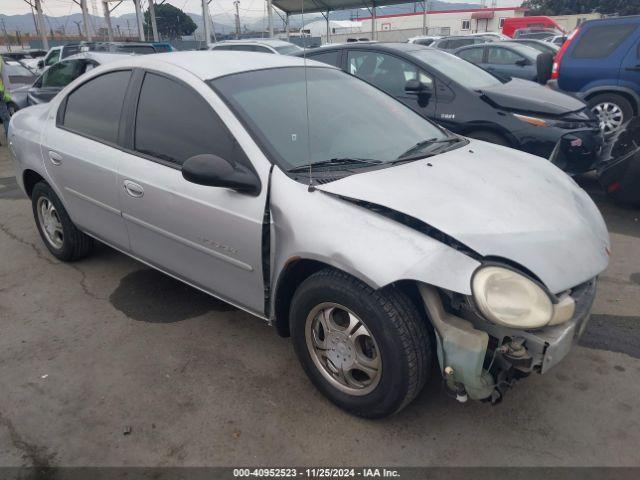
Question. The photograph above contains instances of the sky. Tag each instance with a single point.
(253, 8)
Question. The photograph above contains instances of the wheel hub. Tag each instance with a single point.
(340, 352)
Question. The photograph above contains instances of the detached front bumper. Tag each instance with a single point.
(484, 359)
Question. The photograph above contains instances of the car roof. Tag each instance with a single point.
(100, 57)
(390, 47)
(209, 64)
(265, 41)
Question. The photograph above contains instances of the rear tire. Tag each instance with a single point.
(613, 111)
(488, 136)
(390, 342)
(59, 234)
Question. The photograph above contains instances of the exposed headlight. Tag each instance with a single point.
(508, 298)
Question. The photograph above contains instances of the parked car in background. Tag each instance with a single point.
(46, 86)
(262, 45)
(541, 46)
(29, 58)
(490, 36)
(280, 186)
(425, 40)
(600, 63)
(536, 33)
(504, 59)
(473, 102)
(510, 25)
(140, 48)
(20, 78)
(452, 43)
(557, 40)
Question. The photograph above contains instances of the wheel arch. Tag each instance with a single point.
(628, 94)
(29, 179)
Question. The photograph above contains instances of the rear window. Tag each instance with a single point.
(331, 58)
(600, 42)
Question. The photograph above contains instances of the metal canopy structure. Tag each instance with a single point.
(298, 7)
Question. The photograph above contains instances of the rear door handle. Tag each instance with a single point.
(55, 157)
(634, 69)
(133, 189)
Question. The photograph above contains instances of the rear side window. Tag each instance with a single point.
(330, 58)
(600, 42)
(473, 55)
(174, 123)
(502, 56)
(93, 109)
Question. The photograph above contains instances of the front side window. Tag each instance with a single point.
(600, 42)
(503, 56)
(330, 58)
(53, 58)
(62, 74)
(345, 118)
(174, 123)
(387, 72)
(473, 55)
(93, 109)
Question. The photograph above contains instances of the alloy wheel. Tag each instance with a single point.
(610, 115)
(343, 349)
(50, 222)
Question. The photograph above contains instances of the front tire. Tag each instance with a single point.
(368, 351)
(59, 234)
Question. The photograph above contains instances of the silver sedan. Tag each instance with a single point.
(379, 241)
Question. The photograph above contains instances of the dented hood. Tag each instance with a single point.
(499, 202)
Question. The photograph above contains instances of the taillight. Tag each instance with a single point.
(555, 72)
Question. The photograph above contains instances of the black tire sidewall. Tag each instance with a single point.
(391, 391)
(69, 230)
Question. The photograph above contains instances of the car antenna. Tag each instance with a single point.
(311, 188)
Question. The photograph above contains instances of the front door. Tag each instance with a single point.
(390, 74)
(81, 157)
(209, 237)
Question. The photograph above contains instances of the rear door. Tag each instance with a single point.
(630, 72)
(209, 237)
(474, 55)
(508, 62)
(81, 155)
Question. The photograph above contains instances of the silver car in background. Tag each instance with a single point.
(379, 241)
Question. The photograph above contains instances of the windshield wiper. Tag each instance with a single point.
(418, 147)
(336, 162)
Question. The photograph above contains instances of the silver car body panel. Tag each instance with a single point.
(482, 196)
(211, 238)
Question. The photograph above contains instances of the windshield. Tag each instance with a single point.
(346, 119)
(287, 49)
(460, 71)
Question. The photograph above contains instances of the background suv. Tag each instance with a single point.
(600, 63)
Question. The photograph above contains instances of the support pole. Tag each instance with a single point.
(152, 15)
(236, 4)
(286, 27)
(41, 28)
(107, 19)
(373, 21)
(424, 17)
(85, 20)
(205, 23)
(139, 20)
(270, 18)
(328, 27)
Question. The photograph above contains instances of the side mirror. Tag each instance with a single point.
(214, 171)
(544, 67)
(40, 64)
(524, 62)
(416, 87)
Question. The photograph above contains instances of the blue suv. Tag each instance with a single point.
(600, 63)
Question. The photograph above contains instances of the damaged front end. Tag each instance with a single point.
(481, 359)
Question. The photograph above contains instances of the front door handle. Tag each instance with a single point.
(634, 69)
(133, 189)
(55, 157)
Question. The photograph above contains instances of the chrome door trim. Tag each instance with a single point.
(233, 261)
(95, 202)
(177, 277)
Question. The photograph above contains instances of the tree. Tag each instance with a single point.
(172, 22)
(568, 7)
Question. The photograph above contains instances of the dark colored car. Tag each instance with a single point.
(536, 33)
(542, 47)
(600, 63)
(470, 101)
(504, 59)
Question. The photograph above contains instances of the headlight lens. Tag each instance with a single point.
(508, 298)
(535, 121)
